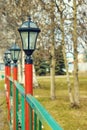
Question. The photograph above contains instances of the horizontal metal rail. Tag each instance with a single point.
(40, 113)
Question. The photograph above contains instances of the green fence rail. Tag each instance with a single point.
(40, 119)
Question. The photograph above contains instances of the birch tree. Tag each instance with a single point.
(52, 66)
(46, 11)
(75, 45)
(76, 29)
(61, 7)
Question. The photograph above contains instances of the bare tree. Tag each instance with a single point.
(52, 67)
(61, 10)
(75, 45)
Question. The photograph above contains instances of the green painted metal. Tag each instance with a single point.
(40, 125)
(41, 116)
(30, 117)
(11, 103)
(2, 76)
(35, 121)
(16, 109)
(10, 78)
(22, 114)
(20, 88)
(11, 88)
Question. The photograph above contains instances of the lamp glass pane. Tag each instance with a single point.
(9, 56)
(29, 24)
(33, 25)
(33, 37)
(16, 54)
(24, 36)
(12, 55)
(25, 25)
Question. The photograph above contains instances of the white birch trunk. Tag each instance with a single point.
(66, 64)
(76, 81)
(35, 82)
(52, 73)
(52, 67)
(21, 68)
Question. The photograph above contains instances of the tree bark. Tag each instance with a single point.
(66, 64)
(35, 82)
(75, 44)
(21, 68)
(52, 73)
(52, 67)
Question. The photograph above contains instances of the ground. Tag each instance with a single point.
(68, 118)
(3, 109)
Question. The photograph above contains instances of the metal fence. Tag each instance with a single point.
(39, 118)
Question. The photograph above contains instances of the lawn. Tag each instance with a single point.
(68, 118)
(3, 108)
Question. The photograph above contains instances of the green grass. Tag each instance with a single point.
(3, 108)
(68, 118)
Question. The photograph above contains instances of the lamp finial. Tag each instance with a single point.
(29, 18)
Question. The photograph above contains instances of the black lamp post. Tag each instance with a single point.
(29, 32)
(15, 50)
(5, 60)
(7, 57)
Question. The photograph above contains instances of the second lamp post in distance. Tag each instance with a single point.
(15, 50)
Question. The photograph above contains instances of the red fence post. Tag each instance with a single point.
(6, 89)
(8, 73)
(7, 62)
(15, 99)
(28, 88)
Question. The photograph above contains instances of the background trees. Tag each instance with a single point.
(42, 61)
(63, 28)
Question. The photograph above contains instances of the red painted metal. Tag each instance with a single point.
(6, 80)
(8, 69)
(15, 71)
(28, 90)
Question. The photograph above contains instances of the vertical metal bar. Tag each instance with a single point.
(26, 116)
(40, 125)
(16, 109)
(6, 85)
(11, 88)
(31, 119)
(35, 121)
(28, 88)
(23, 114)
(15, 100)
(11, 102)
(8, 88)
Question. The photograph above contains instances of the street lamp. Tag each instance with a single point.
(4, 59)
(15, 50)
(29, 32)
(7, 57)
